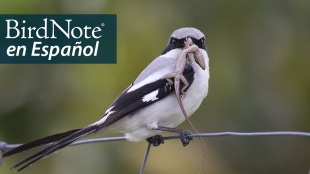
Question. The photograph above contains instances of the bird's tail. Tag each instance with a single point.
(58, 141)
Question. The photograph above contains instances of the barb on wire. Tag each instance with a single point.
(4, 146)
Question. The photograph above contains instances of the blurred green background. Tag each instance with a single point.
(260, 81)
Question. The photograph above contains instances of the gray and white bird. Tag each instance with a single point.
(145, 108)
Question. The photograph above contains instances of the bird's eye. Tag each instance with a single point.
(173, 40)
(202, 39)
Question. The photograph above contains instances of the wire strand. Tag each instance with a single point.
(145, 158)
(4, 146)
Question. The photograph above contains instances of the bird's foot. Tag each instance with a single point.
(156, 140)
(184, 137)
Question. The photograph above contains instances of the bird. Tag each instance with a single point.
(145, 108)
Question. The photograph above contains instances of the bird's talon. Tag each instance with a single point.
(184, 138)
(156, 140)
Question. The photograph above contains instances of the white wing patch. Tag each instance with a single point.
(148, 80)
(150, 97)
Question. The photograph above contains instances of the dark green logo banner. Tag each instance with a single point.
(57, 39)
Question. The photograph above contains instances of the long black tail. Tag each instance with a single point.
(58, 141)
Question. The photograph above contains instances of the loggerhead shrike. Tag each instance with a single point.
(145, 108)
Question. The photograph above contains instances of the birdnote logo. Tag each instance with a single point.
(56, 39)
(51, 51)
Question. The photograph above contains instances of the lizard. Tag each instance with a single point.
(178, 76)
(180, 66)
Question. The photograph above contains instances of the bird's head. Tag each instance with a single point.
(177, 41)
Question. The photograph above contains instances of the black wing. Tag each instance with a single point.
(129, 102)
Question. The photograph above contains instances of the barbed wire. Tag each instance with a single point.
(4, 146)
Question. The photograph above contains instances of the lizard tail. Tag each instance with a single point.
(193, 127)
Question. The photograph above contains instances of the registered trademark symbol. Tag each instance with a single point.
(103, 24)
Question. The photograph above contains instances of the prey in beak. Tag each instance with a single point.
(198, 57)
